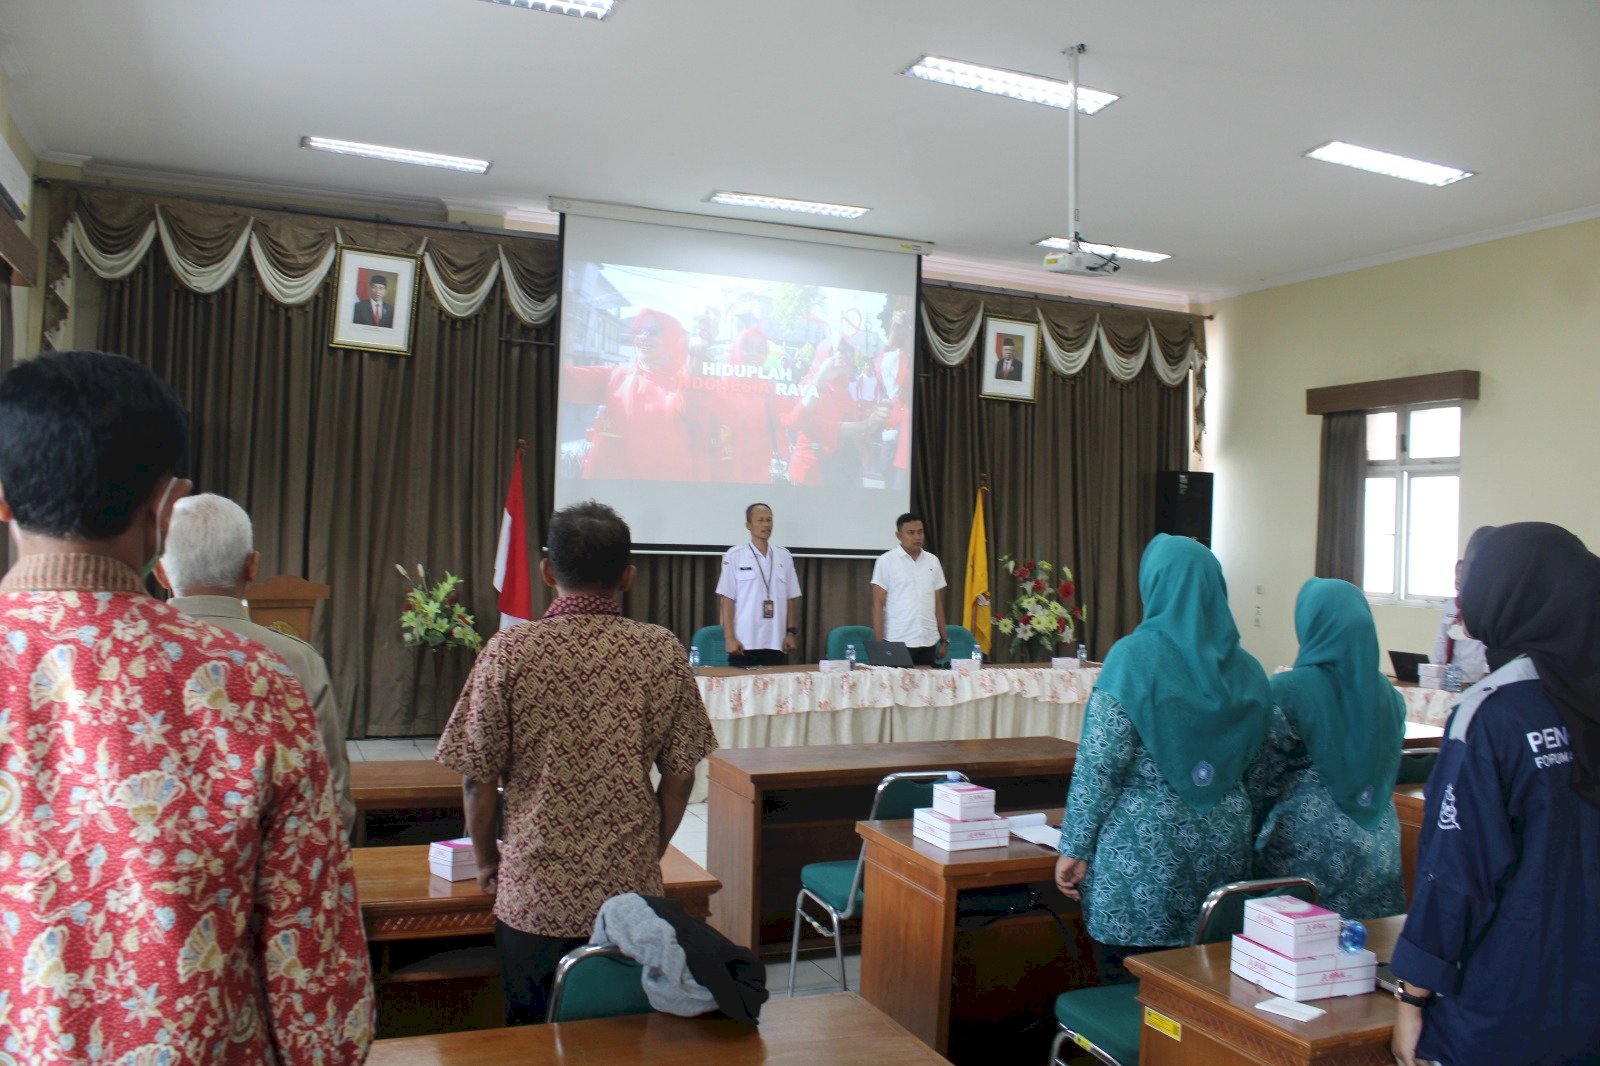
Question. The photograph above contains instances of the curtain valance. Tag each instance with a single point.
(1171, 344)
(111, 232)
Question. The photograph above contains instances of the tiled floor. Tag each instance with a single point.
(393, 749)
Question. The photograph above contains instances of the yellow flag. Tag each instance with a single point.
(976, 614)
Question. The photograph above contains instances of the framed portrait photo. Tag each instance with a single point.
(1010, 360)
(375, 306)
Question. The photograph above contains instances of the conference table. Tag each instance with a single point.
(1408, 807)
(773, 810)
(968, 985)
(405, 787)
(1198, 1013)
(431, 940)
(824, 1030)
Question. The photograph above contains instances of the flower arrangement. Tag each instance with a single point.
(434, 617)
(1041, 613)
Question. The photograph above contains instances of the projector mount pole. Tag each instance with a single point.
(1072, 147)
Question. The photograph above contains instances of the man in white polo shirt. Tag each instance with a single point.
(758, 588)
(906, 605)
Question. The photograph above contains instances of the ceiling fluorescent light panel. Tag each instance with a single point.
(1014, 84)
(1135, 255)
(780, 203)
(595, 9)
(1387, 164)
(464, 164)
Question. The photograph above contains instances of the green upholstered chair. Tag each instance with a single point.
(712, 644)
(1415, 765)
(1105, 1021)
(836, 886)
(596, 981)
(841, 637)
(962, 641)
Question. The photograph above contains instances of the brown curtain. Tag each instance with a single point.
(1341, 495)
(351, 462)
(8, 357)
(1072, 476)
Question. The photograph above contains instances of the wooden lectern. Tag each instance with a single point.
(285, 603)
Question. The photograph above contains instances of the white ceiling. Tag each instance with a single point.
(670, 99)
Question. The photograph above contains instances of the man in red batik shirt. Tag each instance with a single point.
(174, 880)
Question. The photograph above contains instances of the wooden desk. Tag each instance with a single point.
(830, 1030)
(411, 785)
(962, 987)
(1221, 1027)
(433, 958)
(1422, 735)
(401, 900)
(1408, 805)
(770, 811)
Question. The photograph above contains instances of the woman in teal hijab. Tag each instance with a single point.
(1323, 789)
(1157, 814)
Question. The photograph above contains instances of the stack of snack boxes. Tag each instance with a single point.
(1291, 948)
(962, 818)
(453, 860)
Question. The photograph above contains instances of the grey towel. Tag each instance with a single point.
(628, 922)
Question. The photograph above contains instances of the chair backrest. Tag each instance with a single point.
(712, 644)
(1415, 765)
(896, 797)
(841, 637)
(596, 981)
(962, 641)
(1222, 913)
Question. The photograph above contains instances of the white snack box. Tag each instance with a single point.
(930, 821)
(834, 666)
(972, 843)
(962, 666)
(963, 801)
(1324, 977)
(1064, 662)
(1291, 926)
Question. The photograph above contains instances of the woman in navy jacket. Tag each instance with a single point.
(1498, 960)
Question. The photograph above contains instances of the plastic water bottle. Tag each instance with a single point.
(1083, 656)
(694, 660)
(977, 657)
(1352, 935)
(850, 655)
(1453, 680)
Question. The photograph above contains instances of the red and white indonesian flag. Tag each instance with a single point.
(511, 577)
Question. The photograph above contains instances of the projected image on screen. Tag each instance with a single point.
(674, 376)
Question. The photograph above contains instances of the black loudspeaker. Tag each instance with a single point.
(1183, 504)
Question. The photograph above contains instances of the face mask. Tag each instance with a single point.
(161, 509)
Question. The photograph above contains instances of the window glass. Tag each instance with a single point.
(1433, 509)
(1433, 433)
(1377, 577)
(1381, 426)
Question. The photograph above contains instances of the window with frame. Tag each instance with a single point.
(1413, 496)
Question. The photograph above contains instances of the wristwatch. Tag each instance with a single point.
(1420, 1002)
(792, 631)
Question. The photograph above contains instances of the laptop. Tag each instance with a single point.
(1405, 664)
(888, 653)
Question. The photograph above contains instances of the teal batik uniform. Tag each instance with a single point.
(1323, 788)
(1157, 803)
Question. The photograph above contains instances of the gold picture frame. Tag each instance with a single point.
(357, 303)
(1010, 357)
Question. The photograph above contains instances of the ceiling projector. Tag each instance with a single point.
(1083, 263)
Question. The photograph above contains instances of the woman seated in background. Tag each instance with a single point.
(1497, 962)
(1323, 787)
(1157, 815)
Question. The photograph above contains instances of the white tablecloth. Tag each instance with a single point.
(871, 705)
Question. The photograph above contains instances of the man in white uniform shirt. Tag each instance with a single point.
(758, 588)
(906, 605)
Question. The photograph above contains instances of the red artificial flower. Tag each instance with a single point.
(1061, 625)
(1066, 590)
(1027, 620)
(1020, 573)
(1040, 585)
(1077, 612)
(1031, 564)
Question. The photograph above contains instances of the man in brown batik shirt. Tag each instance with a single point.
(571, 712)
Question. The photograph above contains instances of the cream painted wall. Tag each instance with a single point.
(1524, 311)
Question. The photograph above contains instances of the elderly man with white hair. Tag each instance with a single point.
(210, 559)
